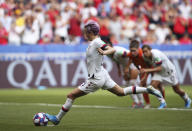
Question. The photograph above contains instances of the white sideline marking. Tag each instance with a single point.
(87, 106)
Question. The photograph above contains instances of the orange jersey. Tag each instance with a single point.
(138, 61)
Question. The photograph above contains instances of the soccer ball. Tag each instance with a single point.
(40, 119)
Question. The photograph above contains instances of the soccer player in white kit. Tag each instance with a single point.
(163, 71)
(119, 57)
(98, 77)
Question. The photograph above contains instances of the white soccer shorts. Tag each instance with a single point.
(101, 80)
(171, 79)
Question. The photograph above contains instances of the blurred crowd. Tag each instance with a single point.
(61, 21)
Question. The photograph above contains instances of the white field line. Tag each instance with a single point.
(86, 106)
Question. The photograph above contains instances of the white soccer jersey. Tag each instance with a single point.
(159, 58)
(98, 77)
(168, 73)
(94, 60)
(120, 55)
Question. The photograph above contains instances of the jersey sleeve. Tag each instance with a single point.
(102, 45)
(120, 53)
(124, 54)
(158, 61)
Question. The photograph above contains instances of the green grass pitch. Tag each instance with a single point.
(17, 108)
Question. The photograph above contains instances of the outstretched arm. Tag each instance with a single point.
(108, 50)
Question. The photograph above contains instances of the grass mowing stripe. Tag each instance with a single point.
(86, 106)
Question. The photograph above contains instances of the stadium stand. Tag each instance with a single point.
(61, 21)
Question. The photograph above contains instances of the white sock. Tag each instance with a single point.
(137, 98)
(185, 97)
(134, 90)
(65, 108)
(162, 100)
(134, 98)
(140, 98)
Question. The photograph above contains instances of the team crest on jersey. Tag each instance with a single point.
(157, 61)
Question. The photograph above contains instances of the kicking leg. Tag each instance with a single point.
(66, 107)
(69, 101)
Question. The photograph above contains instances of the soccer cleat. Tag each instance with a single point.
(153, 91)
(52, 118)
(188, 103)
(162, 105)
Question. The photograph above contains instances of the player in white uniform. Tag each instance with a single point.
(163, 71)
(98, 77)
(119, 57)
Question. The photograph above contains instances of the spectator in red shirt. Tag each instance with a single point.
(3, 35)
(75, 28)
(104, 30)
(97, 3)
(53, 13)
(75, 23)
(179, 26)
(189, 26)
(185, 40)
